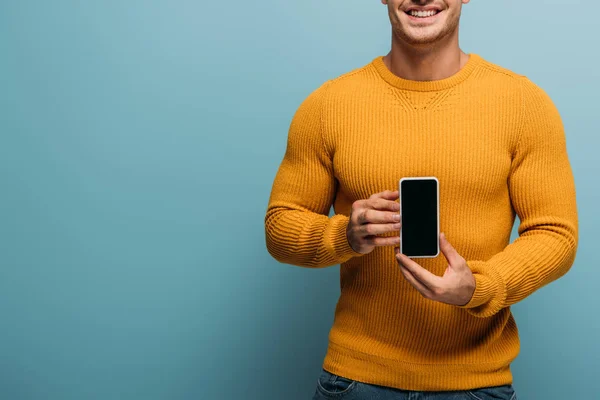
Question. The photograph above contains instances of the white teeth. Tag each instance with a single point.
(423, 14)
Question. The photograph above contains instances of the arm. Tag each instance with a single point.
(298, 229)
(542, 192)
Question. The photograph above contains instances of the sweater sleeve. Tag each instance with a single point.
(298, 229)
(542, 192)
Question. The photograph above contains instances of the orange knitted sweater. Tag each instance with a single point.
(496, 143)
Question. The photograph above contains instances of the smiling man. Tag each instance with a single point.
(436, 328)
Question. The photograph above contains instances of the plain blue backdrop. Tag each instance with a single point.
(138, 145)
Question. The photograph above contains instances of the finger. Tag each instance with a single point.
(377, 229)
(383, 205)
(428, 279)
(359, 207)
(386, 194)
(379, 217)
(416, 284)
(424, 290)
(383, 241)
(449, 251)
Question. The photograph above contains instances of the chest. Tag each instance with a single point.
(465, 147)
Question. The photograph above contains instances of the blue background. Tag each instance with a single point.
(138, 145)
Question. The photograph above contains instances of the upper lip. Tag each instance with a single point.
(426, 8)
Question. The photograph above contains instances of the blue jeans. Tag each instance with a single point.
(330, 386)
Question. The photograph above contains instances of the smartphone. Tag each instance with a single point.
(420, 216)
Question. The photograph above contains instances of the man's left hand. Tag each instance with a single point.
(457, 285)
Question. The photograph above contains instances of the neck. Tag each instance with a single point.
(427, 63)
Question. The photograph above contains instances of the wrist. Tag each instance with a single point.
(338, 238)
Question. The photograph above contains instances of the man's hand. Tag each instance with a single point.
(369, 218)
(457, 285)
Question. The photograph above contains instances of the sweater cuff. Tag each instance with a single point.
(337, 239)
(490, 291)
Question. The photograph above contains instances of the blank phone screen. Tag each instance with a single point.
(419, 209)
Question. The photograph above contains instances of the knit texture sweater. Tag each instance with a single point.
(496, 143)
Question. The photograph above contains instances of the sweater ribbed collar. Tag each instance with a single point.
(424, 86)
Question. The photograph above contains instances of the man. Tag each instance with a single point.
(440, 328)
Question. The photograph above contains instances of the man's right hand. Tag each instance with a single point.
(376, 215)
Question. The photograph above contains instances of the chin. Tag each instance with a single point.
(420, 39)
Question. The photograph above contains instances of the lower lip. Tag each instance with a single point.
(421, 19)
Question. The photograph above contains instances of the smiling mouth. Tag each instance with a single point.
(422, 14)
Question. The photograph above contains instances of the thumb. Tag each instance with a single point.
(448, 250)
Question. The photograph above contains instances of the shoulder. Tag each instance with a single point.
(341, 88)
(498, 80)
(539, 115)
(531, 93)
(335, 87)
(499, 71)
(349, 88)
(349, 81)
(352, 76)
